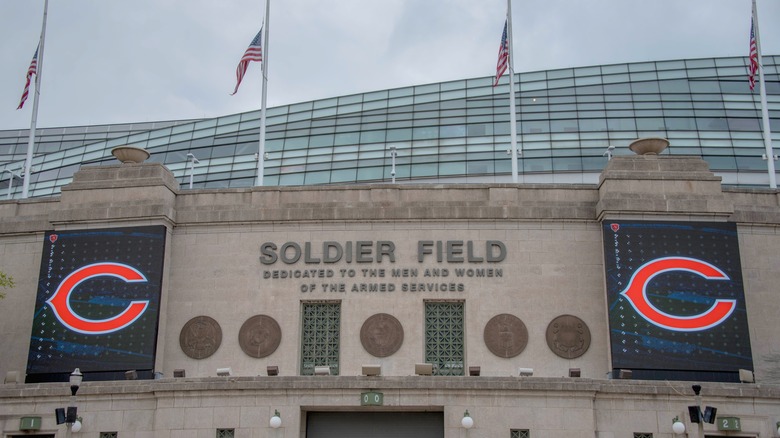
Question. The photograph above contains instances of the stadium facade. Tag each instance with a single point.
(598, 298)
(448, 132)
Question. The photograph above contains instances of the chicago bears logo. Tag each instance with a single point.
(60, 300)
(636, 294)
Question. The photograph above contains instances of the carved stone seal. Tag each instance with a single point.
(382, 335)
(200, 337)
(505, 335)
(259, 336)
(568, 336)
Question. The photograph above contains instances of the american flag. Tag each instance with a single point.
(253, 53)
(753, 67)
(32, 70)
(503, 56)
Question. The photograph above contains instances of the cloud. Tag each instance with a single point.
(147, 60)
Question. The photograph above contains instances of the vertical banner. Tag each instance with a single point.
(675, 296)
(98, 301)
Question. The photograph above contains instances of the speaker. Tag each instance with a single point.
(709, 414)
(71, 415)
(60, 414)
(695, 414)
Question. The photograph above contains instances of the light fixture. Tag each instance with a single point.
(75, 381)
(423, 369)
(467, 422)
(276, 420)
(11, 176)
(76, 425)
(746, 376)
(393, 154)
(678, 426)
(272, 370)
(372, 370)
(69, 415)
(608, 152)
(223, 372)
(193, 162)
(526, 372)
(11, 377)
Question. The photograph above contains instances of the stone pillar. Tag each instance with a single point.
(655, 186)
(130, 194)
(120, 193)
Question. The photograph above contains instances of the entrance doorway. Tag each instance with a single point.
(375, 425)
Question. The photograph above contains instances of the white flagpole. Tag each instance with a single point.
(31, 142)
(512, 115)
(770, 156)
(261, 152)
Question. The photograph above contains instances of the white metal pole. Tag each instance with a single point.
(193, 161)
(261, 154)
(512, 115)
(38, 71)
(10, 182)
(770, 156)
(393, 153)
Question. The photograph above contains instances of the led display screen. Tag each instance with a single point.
(675, 296)
(98, 300)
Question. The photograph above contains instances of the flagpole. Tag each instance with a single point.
(512, 114)
(31, 142)
(770, 156)
(261, 152)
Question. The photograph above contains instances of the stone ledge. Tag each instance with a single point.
(99, 212)
(303, 384)
(122, 175)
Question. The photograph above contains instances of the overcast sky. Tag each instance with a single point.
(150, 60)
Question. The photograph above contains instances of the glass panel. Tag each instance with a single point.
(296, 143)
(372, 136)
(535, 127)
(294, 179)
(347, 138)
(453, 131)
(370, 173)
(426, 132)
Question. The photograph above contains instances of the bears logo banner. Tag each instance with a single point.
(98, 301)
(675, 296)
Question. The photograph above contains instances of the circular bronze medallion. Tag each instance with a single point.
(381, 335)
(260, 336)
(505, 335)
(200, 337)
(568, 336)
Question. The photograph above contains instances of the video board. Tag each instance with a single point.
(98, 301)
(675, 296)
